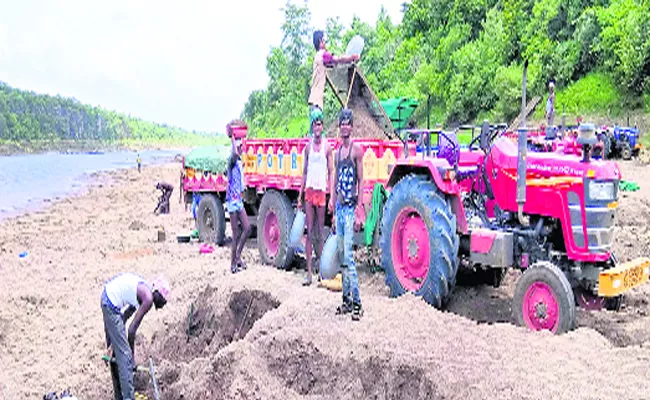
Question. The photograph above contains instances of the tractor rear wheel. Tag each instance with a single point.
(211, 220)
(419, 242)
(626, 151)
(544, 299)
(274, 227)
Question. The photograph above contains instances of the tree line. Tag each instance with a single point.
(27, 116)
(465, 57)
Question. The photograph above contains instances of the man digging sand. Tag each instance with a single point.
(133, 292)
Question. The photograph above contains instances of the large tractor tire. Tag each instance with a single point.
(544, 300)
(274, 227)
(419, 242)
(211, 220)
(626, 151)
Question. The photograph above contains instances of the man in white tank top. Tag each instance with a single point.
(131, 293)
(316, 176)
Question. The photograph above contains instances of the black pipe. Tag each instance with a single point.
(531, 232)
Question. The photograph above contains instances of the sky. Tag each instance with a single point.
(190, 64)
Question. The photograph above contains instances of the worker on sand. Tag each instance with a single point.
(346, 197)
(133, 294)
(322, 58)
(163, 201)
(316, 176)
(238, 218)
(139, 163)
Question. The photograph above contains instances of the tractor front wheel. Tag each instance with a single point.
(544, 300)
(626, 151)
(274, 226)
(419, 242)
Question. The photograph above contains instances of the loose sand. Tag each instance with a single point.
(260, 334)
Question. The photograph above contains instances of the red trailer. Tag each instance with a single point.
(272, 173)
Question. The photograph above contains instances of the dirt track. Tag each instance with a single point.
(292, 345)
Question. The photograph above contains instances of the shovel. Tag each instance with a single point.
(151, 371)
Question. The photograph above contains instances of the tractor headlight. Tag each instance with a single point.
(601, 190)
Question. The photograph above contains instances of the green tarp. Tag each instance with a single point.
(379, 196)
(628, 186)
(210, 158)
(399, 110)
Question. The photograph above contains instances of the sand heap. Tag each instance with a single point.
(260, 334)
(362, 101)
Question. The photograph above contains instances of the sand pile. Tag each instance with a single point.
(402, 349)
(260, 334)
(365, 125)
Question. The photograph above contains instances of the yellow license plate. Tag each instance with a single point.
(626, 276)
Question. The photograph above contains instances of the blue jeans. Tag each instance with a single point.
(344, 234)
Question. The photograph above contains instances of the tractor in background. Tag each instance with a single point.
(622, 142)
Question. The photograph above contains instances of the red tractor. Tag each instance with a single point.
(494, 206)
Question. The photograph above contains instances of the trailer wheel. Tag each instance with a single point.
(274, 226)
(544, 299)
(419, 243)
(211, 220)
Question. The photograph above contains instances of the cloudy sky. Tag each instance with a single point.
(190, 64)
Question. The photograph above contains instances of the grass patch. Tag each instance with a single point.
(464, 137)
(593, 94)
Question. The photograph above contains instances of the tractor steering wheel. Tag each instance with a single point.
(493, 132)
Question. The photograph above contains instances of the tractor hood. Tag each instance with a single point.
(554, 164)
(546, 165)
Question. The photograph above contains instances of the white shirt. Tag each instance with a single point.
(122, 290)
(317, 168)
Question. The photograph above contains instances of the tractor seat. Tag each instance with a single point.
(466, 171)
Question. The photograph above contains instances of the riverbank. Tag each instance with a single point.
(74, 146)
(260, 334)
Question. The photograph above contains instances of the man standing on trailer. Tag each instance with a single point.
(346, 196)
(322, 58)
(550, 104)
(316, 176)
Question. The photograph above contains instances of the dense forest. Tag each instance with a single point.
(27, 116)
(465, 58)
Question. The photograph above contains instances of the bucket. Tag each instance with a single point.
(330, 262)
(297, 229)
(161, 234)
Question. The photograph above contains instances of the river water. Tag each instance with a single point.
(27, 181)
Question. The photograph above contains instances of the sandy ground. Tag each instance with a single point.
(260, 334)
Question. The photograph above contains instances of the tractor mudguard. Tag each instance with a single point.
(441, 174)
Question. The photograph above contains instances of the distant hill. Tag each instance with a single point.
(30, 117)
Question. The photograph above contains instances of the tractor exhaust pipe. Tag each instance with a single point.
(522, 153)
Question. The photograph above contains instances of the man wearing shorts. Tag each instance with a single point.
(316, 176)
